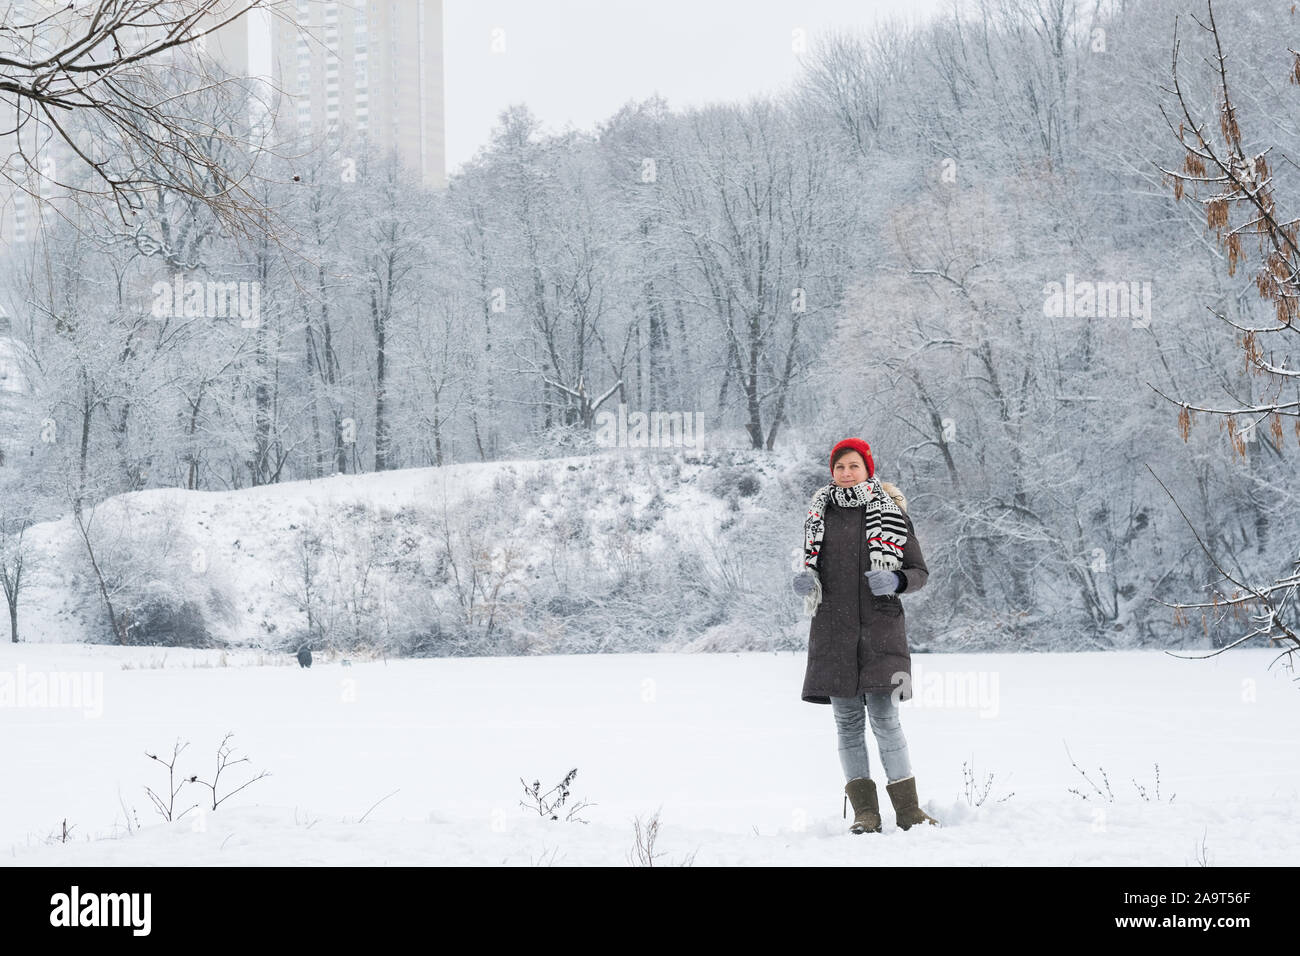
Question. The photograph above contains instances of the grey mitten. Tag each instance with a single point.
(882, 582)
(803, 583)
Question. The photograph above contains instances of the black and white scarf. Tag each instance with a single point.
(885, 529)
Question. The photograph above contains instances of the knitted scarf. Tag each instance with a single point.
(886, 530)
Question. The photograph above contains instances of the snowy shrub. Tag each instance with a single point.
(61, 834)
(643, 850)
(165, 804)
(582, 486)
(557, 441)
(732, 482)
(483, 583)
(568, 605)
(429, 641)
(1152, 795)
(538, 482)
(337, 583)
(646, 518)
(645, 836)
(160, 614)
(623, 549)
(572, 525)
(151, 576)
(1107, 795)
(551, 802)
(505, 485)
(975, 792)
(404, 582)
(304, 589)
(800, 482)
(726, 565)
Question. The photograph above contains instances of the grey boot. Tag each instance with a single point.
(866, 807)
(902, 794)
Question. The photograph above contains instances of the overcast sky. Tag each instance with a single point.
(577, 61)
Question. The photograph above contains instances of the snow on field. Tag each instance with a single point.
(740, 769)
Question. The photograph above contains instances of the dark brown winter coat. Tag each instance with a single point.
(857, 642)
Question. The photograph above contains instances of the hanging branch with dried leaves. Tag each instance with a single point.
(1240, 186)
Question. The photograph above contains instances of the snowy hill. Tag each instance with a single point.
(674, 549)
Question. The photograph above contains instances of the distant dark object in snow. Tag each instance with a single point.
(304, 656)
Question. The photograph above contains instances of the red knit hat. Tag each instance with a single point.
(861, 447)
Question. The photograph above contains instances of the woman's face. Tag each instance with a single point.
(850, 469)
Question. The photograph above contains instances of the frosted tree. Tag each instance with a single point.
(323, 204)
(1232, 178)
(472, 256)
(18, 511)
(558, 270)
(759, 217)
(390, 249)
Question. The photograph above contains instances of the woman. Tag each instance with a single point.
(860, 552)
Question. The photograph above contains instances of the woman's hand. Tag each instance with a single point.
(882, 582)
(803, 583)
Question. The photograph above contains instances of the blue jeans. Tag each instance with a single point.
(851, 727)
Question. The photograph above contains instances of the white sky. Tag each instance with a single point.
(577, 61)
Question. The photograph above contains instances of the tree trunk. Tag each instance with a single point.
(191, 455)
(752, 405)
(379, 318)
(437, 431)
(262, 412)
(87, 410)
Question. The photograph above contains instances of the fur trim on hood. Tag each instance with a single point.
(893, 492)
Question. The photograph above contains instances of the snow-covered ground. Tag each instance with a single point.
(431, 753)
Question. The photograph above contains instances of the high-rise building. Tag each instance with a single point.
(366, 67)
